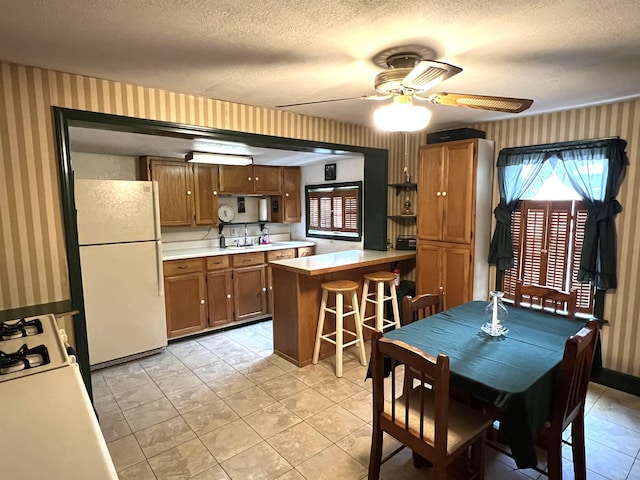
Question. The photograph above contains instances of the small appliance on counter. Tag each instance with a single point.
(50, 428)
(406, 242)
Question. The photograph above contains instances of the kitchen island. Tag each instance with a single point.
(297, 296)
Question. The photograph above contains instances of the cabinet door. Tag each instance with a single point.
(456, 274)
(235, 179)
(291, 195)
(430, 193)
(219, 288)
(175, 193)
(185, 304)
(249, 286)
(267, 180)
(205, 179)
(429, 268)
(458, 192)
(448, 267)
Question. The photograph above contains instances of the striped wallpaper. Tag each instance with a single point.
(621, 339)
(33, 265)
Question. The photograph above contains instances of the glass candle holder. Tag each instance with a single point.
(495, 314)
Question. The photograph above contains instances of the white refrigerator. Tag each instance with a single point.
(121, 263)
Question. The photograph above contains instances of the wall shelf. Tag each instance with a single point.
(406, 186)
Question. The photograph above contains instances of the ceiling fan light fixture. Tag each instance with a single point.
(218, 158)
(401, 116)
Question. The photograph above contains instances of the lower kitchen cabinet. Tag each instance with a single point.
(249, 285)
(446, 266)
(306, 251)
(219, 290)
(185, 296)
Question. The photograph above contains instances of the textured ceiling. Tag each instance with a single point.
(562, 54)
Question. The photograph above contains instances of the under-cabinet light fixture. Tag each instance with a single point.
(218, 158)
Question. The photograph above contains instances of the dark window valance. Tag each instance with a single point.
(582, 160)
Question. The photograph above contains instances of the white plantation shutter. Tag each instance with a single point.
(338, 222)
(325, 213)
(314, 212)
(351, 211)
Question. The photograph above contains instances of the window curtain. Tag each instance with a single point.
(595, 169)
(516, 172)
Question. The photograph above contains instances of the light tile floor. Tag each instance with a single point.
(224, 406)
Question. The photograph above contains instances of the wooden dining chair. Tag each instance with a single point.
(568, 405)
(426, 420)
(421, 306)
(547, 297)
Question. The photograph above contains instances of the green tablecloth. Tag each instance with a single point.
(516, 372)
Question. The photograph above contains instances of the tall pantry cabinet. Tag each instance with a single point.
(454, 219)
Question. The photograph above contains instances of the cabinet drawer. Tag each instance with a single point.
(306, 251)
(217, 262)
(178, 267)
(281, 254)
(246, 259)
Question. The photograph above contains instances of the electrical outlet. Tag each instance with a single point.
(233, 232)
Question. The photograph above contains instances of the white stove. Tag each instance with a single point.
(31, 345)
(50, 410)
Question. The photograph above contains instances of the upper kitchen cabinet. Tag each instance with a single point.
(291, 202)
(187, 193)
(454, 219)
(446, 194)
(258, 179)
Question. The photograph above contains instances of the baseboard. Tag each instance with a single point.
(619, 381)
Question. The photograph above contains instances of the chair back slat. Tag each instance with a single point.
(574, 375)
(421, 306)
(547, 298)
(433, 371)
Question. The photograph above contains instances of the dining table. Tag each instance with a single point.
(516, 372)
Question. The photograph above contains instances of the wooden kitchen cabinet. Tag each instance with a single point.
(272, 256)
(449, 268)
(249, 285)
(306, 251)
(185, 296)
(219, 290)
(187, 193)
(291, 201)
(454, 219)
(251, 179)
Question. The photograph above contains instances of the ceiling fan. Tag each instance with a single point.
(409, 74)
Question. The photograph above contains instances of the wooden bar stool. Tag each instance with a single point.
(377, 297)
(340, 288)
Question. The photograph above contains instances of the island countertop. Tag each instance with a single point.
(341, 261)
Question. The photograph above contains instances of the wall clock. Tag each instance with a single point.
(226, 213)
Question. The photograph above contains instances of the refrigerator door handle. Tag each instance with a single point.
(159, 268)
(156, 210)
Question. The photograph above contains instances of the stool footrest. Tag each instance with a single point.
(344, 344)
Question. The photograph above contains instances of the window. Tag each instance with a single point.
(334, 211)
(547, 242)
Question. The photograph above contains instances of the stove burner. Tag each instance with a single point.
(23, 358)
(19, 329)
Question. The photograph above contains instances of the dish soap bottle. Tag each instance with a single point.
(222, 240)
(265, 237)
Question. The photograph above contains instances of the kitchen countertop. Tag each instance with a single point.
(213, 251)
(339, 261)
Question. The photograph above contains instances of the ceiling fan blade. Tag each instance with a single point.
(428, 73)
(362, 97)
(481, 102)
